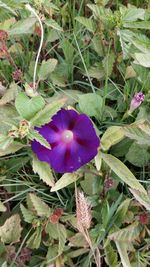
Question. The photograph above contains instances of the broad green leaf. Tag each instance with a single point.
(137, 134)
(53, 24)
(24, 26)
(143, 199)
(52, 230)
(62, 237)
(122, 172)
(5, 141)
(46, 68)
(43, 170)
(52, 254)
(126, 37)
(108, 63)
(10, 94)
(112, 136)
(90, 104)
(41, 208)
(134, 155)
(45, 115)
(34, 135)
(127, 234)
(145, 127)
(137, 25)
(78, 252)
(142, 43)
(110, 255)
(65, 180)
(10, 231)
(122, 249)
(12, 148)
(35, 239)
(2, 207)
(28, 107)
(132, 13)
(122, 211)
(141, 59)
(78, 240)
(143, 76)
(27, 214)
(88, 23)
(66, 46)
(8, 117)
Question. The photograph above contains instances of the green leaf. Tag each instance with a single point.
(126, 37)
(111, 255)
(26, 107)
(24, 26)
(112, 136)
(41, 208)
(137, 134)
(127, 234)
(78, 240)
(62, 237)
(5, 141)
(88, 23)
(12, 148)
(10, 232)
(108, 63)
(2, 207)
(98, 160)
(143, 199)
(122, 172)
(43, 170)
(122, 211)
(27, 214)
(45, 115)
(65, 180)
(34, 135)
(90, 104)
(141, 59)
(53, 24)
(78, 252)
(10, 94)
(66, 46)
(35, 240)
(132, 13)
(8, 117)
(122, 249)
(137, 25)
(52, 254)
(46, 68)
(134, 155)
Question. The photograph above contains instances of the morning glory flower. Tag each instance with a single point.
(72, 138)
(136, 101)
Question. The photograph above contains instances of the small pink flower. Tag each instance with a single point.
(3, 35)
(17, 75)
(136, 101)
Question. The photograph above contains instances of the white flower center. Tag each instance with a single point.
(67, 136)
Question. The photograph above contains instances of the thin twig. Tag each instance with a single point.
(41, 43)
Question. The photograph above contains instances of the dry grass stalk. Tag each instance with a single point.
(83, 211)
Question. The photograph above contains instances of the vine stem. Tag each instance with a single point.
(40, 46)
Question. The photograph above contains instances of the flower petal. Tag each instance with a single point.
(42, 152)
(65, 119)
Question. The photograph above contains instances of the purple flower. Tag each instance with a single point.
(136, 101)
(72, 138)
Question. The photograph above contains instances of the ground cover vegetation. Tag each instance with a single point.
(74, 133)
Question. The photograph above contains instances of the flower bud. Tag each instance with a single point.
(136, 101)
